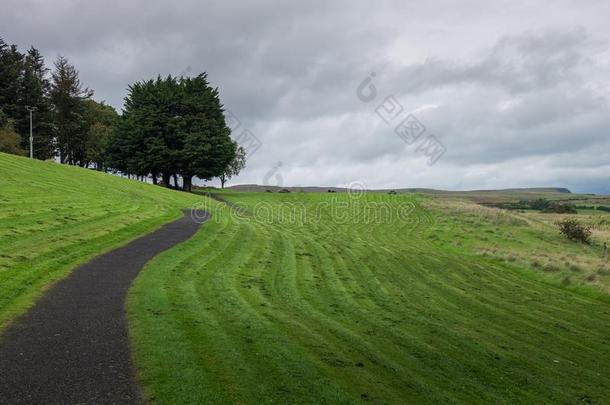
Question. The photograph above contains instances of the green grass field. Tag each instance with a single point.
(54, 217)
(324, 298)
(528, 240)
(340, 305)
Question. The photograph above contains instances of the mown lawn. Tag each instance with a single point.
(347, 303)
(54, 217)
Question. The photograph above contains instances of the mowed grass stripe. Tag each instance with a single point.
(367, 316)
(492, 298)
(315, 311)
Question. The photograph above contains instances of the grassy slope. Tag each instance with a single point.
(528, 240)
(271, 311)
(54, 217)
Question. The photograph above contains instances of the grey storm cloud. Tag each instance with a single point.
(517, 64)
(517, 91)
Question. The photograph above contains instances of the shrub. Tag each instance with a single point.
(575, 231)
(561, 209)
(540, 204)
(575, 268)
(603, 272)
(521, 205)
(10, 141)
(550, 268)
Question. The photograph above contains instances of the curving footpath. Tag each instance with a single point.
(72, 346)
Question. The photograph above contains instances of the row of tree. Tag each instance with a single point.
(171, 128)
(68, 122)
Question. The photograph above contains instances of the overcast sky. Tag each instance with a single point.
(514, 92)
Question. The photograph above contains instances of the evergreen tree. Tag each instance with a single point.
(34, 92)
(143, 143)
(67, 95)
(11, 73)
(61, 116)
(172, 126)
(207, 146)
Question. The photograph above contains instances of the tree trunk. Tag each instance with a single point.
(154, 179)
(223, 180)
(165, 179)
(187, 182)
(176, 181)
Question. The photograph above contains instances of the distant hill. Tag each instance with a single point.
(319, 189)
(531, 190)
(478, 196)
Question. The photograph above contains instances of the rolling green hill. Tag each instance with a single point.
(322, 298)
(54, 217)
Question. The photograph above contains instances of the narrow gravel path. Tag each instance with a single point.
(72, 347)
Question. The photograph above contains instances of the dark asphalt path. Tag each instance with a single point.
(72, 347)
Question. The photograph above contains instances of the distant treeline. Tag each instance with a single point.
(170, 127)
(548, 206)
(540, 204)
(594, 207)
(67, 122)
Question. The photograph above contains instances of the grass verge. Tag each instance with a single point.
(54, 217)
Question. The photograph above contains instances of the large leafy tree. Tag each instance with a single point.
(172, 126)
(234, 167)
(207, 145)
(67, 95)
(143, 143)
(100, 120)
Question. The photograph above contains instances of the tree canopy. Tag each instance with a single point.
(67, 95)
(234, 167)
(172, 126)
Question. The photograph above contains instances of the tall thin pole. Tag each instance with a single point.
(31, 110)
(31, 137)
